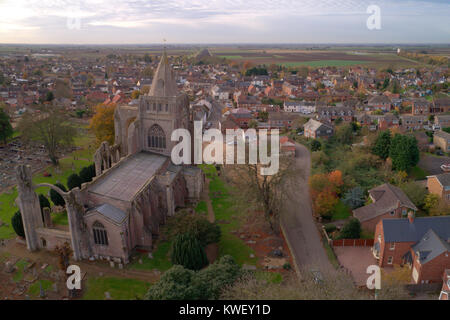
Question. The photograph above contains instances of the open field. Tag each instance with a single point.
(315, 58)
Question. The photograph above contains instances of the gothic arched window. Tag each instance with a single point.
(100, 235)
(156, 137)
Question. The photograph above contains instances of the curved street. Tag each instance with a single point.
(298, 222)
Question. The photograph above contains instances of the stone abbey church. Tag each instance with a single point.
(136, 185)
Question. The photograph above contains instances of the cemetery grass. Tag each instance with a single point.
(119, 288)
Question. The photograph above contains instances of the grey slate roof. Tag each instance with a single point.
(111, 212)
(430, 246)
(401, 230)
(444, 179)
(387, 198)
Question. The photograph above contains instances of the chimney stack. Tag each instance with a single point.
(411, 217)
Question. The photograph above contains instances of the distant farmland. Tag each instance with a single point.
(323, 63)
(313, 58)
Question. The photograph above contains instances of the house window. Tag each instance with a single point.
(159, 107)
(154, 107)
(390, 259)
(167, 107)
(392, 246)
(404, 212)
(100, 235)
(156, 137)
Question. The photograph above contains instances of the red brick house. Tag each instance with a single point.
(388, 202)
(421, 243)
(445, 292)
(440, 185)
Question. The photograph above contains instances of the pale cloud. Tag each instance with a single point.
(145, 21)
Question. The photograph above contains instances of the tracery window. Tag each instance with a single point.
(156, 137)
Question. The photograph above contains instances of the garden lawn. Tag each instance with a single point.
(160, 261)
(340, 212)
(119, 288)
(222, 204)
(417, 173)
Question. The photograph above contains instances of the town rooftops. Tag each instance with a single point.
(313, 125)
(402, 230)
(379, 99)
(386, 198)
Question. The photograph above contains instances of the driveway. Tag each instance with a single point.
(432, 164)
(298, 222)
(356, 260)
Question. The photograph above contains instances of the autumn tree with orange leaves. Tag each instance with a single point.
(102, 123)
(325, 190)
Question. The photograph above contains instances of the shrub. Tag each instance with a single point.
(43, 202)
(195, 224)
(351, 230)
(329, 228)
(175, 284)
(87, 173)
(74, 181)
(179, 283)
(188, 252)
(316, 145)
(217, 276)
(17, 224)
(56, 198)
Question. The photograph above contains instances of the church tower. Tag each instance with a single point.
(161, 111)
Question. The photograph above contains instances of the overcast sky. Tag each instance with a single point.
(222, 21)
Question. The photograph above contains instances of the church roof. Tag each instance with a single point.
(111, 212)
(126, 179)
(164, 84)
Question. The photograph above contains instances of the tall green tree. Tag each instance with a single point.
(17, 224)
(382, 145)
(188, 251)
(6, 130)
(404, 152)
(56, 198)
(74, 181)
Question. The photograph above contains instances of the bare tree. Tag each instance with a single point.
(51, 128)
(264, 192)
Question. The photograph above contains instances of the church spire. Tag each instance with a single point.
(163, 84)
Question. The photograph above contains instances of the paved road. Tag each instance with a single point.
(298, 222)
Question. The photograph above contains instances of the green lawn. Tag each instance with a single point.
(119, 288)
(271, 277)
(341, 211)
(160, 261)
(18, 275)
(222, 204)
(201, 208)
(60, 219)
(418, 173)
(35, 289)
